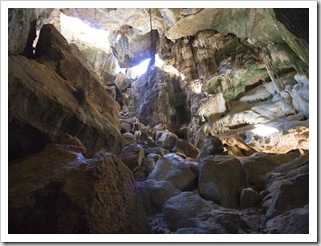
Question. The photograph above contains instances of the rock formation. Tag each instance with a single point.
(213, 140)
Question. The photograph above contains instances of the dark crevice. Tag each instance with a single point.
(238, 126)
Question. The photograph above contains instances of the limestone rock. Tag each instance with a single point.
(42, 104)
(133, 155)
(180, 210)
(288, 185)
(157, 98)
(156, 150)
(155, 194)
(166, 140)
(221, 179)
(295, 221)
(149, 162)
(258, 164)
(157, 225)
(188, 212)
(211, 107)
(22, 27)
(122, 82)
(60, 191)
(249, 198)
(173, 168)
(188, 149)
(212, 146)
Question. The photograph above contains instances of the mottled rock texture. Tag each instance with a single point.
(55, 93)
(60, 191)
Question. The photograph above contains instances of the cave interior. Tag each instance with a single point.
(158, 120)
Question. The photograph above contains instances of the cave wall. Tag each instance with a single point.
(55, 94)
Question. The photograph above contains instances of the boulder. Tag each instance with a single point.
(60, 191)
(156, 150)
(249, 198)
(288, 194)
(212, 146)
(139, 173)
(288, 187)
(295, 221)
(258, 164)
(149, 163)
(166, 140)
(187, 148)
(155, 193)
(157, 225)
(221, 179)
(122, 82)
(180, 211)
(132, 155)
(173, 168)
(190, 213)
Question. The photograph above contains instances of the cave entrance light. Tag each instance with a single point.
(74, 29)
(141, 68)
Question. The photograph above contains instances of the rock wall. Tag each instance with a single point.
(55, 93)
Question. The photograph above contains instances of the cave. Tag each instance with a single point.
(158, 121)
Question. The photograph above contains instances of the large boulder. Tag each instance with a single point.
(295, 221)
(189, 213)
(173, 168)
(258, 164)
(60, 191)
(180, 211)
(221, 179)
(287, 186)
(155, 193)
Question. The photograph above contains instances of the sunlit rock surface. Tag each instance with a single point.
(56, 93)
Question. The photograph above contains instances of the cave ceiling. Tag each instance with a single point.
(235, 67)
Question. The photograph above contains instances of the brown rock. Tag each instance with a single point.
(173, 168)
(132, 155)
(60, 191)
(188, 149)
(42, 105)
